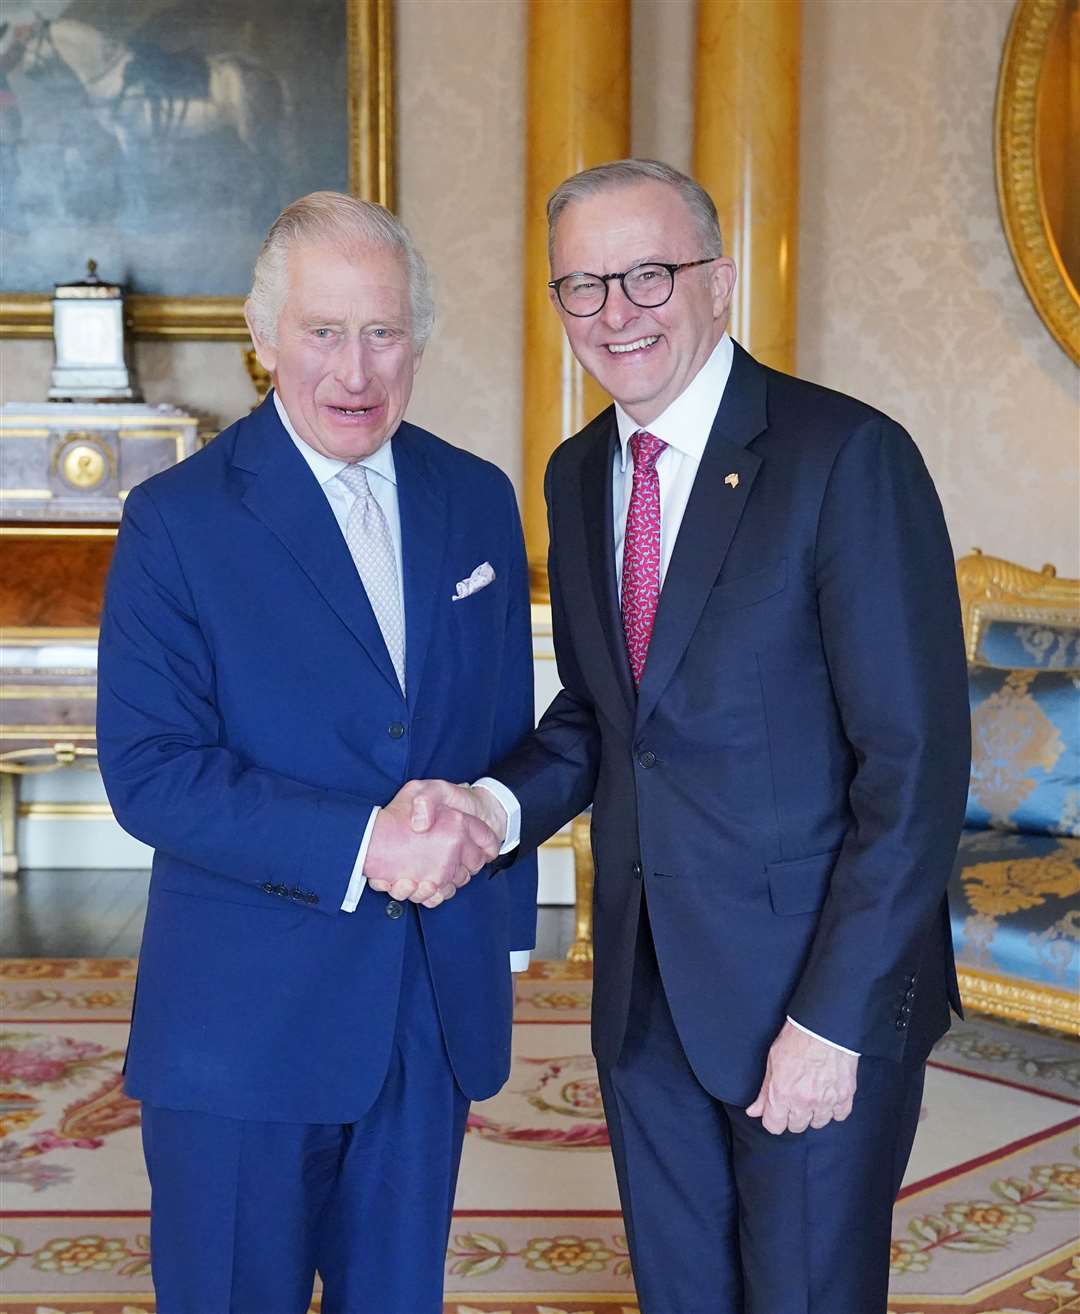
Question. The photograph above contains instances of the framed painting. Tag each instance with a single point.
(161, 139)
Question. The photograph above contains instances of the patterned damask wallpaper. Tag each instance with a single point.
(907, 294)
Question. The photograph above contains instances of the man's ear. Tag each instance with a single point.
(722, 280)
(265, 351)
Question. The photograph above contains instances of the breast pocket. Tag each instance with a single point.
(748, 589)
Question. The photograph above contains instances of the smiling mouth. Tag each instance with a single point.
(640, 344)
(355, 410)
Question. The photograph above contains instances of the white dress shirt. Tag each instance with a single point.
(685, 427)
(384, 490)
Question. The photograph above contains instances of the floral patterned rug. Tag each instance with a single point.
(986, 1223)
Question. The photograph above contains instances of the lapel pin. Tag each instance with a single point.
(732, 479)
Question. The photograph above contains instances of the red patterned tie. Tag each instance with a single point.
(641, 551)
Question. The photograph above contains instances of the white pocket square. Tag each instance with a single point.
(479, 579)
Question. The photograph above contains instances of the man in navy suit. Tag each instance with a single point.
(323, 603)
(764, 699)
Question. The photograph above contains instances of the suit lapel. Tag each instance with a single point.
(424, 519)
(599, 542)
(712, 515)
(286, 497)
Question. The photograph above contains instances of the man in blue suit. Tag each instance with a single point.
(323, 603)
(758, 635)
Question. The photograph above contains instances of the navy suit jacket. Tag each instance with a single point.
(249, 718)
(788, 785)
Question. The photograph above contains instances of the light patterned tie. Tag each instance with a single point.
(641, 551)
(372, 549)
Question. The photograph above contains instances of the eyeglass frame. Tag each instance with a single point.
(606, 279)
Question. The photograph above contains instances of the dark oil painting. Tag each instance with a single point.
(161, 137)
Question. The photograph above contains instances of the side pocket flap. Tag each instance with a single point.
(801, 886)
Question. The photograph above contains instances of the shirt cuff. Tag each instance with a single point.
(519, 960)
(824, 1040)
(510, 806)
(358, 880)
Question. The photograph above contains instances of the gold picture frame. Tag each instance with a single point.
(370, 108)
(1020, 195)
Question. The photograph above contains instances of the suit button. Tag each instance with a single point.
(901, 1024)
(636, 870)
(394, 909)
(267, 888)
(396, 730)
(647, 759)
(910, 995)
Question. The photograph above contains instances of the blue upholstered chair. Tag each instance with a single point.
(1015, 892)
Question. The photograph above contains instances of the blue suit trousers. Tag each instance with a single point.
(244, 1213)
(724, 1218)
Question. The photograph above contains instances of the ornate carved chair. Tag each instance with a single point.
(1015, 892)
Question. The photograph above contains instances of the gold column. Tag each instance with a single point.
(578, 115)
(746, 155)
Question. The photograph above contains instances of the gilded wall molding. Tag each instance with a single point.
(1023, 213)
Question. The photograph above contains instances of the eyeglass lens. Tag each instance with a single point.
(645, 285)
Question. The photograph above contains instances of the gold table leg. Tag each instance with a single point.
(581, 951)
(9, 853)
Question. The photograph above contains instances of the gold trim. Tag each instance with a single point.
(1042, 1006)
(65, 753)
(370, 109)
(560, 840)
(47, 732)
(540, 613)
(542, 1297)
(46, 635)
(994, 589)
(539, 587)
(47, 690)
(1020, 199)
(74, 530)
(66, 811)
(141, 424)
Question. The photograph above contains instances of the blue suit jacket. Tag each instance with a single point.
(788, 785)
(249, 718)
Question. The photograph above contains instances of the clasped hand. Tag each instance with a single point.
(431, 839)
(808, 1083)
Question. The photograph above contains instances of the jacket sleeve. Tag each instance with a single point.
(553, 771)
(890, 623)
(171, 778)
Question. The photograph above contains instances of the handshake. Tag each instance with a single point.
(431, 839)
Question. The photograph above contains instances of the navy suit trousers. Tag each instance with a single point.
(724, 1218)
(244, 1213)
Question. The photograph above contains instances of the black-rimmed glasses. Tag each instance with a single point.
(648, 286)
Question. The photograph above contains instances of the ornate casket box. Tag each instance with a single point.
(65, 469)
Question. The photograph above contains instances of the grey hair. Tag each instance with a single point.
(626, 173)
(345, 222)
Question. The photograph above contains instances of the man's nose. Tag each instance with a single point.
(618, 310)
(352, 365)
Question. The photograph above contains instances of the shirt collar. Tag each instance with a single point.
(687, 422)
(325, 468)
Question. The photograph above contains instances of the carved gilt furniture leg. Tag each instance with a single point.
(581, 951)
(9, 853)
